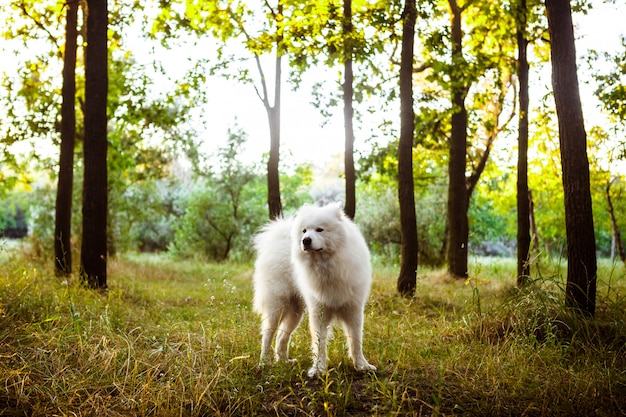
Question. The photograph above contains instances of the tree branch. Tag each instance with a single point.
(41, 26)
(265, 97)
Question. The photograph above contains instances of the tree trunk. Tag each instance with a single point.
(472, 180)
(406, 195)
(581, 246)
(523, 201)
(457, 200)
(617, 234)
(94, 243)
(534, 240)
(273, 114)
(273, 176)
(63, 206)
(348, 112)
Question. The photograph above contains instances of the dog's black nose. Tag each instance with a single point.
(306, 242)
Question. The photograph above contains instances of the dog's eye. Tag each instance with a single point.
(319, 230)
(303, 230)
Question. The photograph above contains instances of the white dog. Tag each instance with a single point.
(318, 260)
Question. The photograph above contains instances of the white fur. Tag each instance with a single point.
(320, 260)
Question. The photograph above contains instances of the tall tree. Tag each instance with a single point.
(351, 34)
(258, 46)
(94, 241)
(348, 111)
(63, 210)
(406, 194)
(273, 113)
(260, 29)
(458, 227)
(523, 200)
(581, 245)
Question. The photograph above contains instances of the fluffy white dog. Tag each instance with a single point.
(317, 260)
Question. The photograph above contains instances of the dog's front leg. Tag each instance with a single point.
(353, 328)
(319, 320)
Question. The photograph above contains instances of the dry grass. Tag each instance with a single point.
(179, 338)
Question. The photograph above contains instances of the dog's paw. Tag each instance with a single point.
(265, 360)
(284, 359)
(315, 370)
(364, 366)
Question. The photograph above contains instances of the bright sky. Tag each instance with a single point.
(303, 138)
(302, 133)
(601, 30)
(307, 141)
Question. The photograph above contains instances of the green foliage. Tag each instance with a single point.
(151, 120)
(211, 226)
(14, 215)
(41, 203)
(295, 188)
(152, 228)
(221, 212)
(492, 213)
(379, 219)
(611, 88)
(148, 128)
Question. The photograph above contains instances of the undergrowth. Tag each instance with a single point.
(180, 338)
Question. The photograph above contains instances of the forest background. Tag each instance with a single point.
(201, 190)
(187, 185)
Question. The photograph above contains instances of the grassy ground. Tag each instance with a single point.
(179, 338)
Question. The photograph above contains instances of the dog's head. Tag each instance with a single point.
(319, 229)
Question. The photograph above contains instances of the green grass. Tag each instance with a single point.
(179, 338)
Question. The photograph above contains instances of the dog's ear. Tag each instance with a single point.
(338, 209)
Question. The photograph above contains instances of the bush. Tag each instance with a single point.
(152, 228)
(13, 217)
(213, 224)
(378, 214)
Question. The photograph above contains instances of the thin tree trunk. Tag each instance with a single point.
(348, 112)
(273, 175)
(63, 206)
(581, 246)
(274, 203)
(94, 242)
(523, 201)
(406, 194)
(534, 241)
(457, 200)
(273, 113)
(472, 180)
(617, 234)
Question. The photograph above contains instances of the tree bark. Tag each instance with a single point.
(617, 234)
(348, 112)
(406, 194)
(457, 200)
(581, 246)
(273, 175)
(94, 242)
(63, 205)
(523, 201)
(273, 113)
(534, 234)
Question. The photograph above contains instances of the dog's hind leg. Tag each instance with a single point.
(269, 324)
(290, 319)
